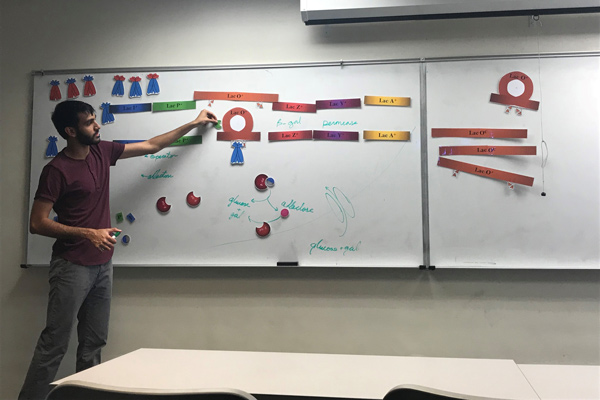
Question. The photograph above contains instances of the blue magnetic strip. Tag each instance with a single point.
(127, 141)
(130, 108)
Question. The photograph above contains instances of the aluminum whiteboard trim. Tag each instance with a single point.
(338, 63)
(424, 167)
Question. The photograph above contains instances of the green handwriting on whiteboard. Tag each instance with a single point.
(158, 174)
(339, 123)
(292, 205)
(234, 200)
(237, 214)
(321, 246)
(160, 156)
(289, 124)
(341, 206)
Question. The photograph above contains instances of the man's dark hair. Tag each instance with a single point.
(66, 114)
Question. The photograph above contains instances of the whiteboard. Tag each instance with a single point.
(351, 203)
(481, 222)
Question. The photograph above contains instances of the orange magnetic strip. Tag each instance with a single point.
(237, 96)
(485, 172)
(488, 150)
(479, 133)
(249, 136)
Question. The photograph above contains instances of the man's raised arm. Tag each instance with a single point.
(159, 142)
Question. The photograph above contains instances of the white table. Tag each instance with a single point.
(313, 375)
(564, 382)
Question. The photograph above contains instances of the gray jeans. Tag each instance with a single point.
(75, 291)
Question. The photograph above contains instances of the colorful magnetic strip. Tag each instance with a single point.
(174, 105)
(479, 133)
(485, 172)
(386, 135)
(125, 141)
(295, 107)
(335, 135)
(337, 103)
(290, 135)
(248, 136)
(387, 101)
(182, 141)
(488, 150)
(130, 108)
(185, 140)
(237, 96)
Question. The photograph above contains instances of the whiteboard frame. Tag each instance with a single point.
(341, 63)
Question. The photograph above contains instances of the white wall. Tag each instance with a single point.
(529, 316)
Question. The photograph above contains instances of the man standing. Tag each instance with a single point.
(76, 185)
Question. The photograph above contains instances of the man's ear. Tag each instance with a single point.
(70, 131)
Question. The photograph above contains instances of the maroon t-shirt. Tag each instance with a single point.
(79, 190)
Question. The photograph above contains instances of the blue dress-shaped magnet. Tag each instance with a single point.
(153, 87)
(136, 89)
(107, 116)
(237, 157)
(118, 89)
(51, 150)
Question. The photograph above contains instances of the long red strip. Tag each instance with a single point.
(485, 172)
(479, 133)
(488, 150)
(237, 96)
(249, 136)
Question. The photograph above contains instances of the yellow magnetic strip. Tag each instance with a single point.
(387, 101)
(386, 135)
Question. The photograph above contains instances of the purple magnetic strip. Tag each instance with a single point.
(335, 135)
(337, 103)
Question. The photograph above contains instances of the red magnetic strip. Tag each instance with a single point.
(479, 133)
(335, 135)
(237, 96)
(295, 107)
(229, 136)
(514, 101)
(488, 150)
(485, 171)
(290, 135)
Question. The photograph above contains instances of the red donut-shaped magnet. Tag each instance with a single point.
(162, 206)
(238, 112)
(260, 182)
(515, 89)
(192, 200)
(263, 230)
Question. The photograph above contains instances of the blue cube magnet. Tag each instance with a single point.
(130, 217)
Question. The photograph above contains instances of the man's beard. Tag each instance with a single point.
(86, 140)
